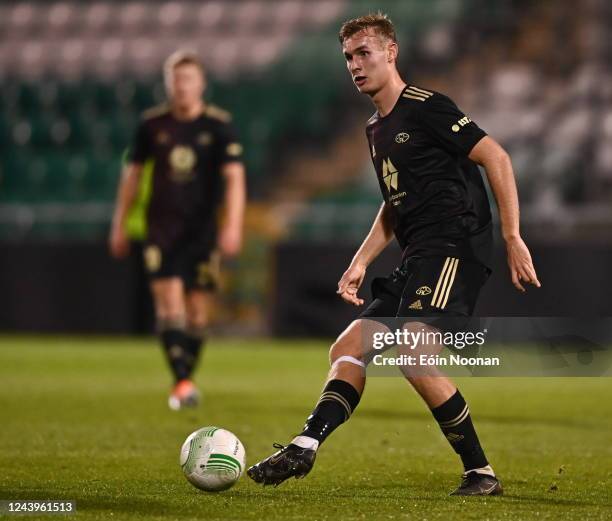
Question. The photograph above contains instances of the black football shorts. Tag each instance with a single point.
(195, 263)
(437, 289)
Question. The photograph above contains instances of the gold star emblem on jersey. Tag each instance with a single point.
(182, 159)
(389, 174)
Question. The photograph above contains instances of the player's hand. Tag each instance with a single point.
(118, 242)
(350, 282)
(230, 241)
(520, 264)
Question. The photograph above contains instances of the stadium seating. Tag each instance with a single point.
(75, 76)
(546, 99)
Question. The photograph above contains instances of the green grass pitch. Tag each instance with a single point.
(86, 419)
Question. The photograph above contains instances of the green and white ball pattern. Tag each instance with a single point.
(212, 459)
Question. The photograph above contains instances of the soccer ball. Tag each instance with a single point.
(212, 459)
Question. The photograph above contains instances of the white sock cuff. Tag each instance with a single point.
(483, 470)
(165, 324)
(350, 360)
(306, 442)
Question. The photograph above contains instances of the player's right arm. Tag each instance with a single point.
(126, 193)
(380, 235)
(137, 154)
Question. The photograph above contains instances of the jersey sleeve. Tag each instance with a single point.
(140, 149)
(370, 146)
(450, 127)
(229, 147)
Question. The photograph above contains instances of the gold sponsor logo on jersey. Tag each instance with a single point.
(182, 160)
(416, 305)
(423, 290)
(389, 174)
(461, 123)
(402, 137)
(395, 198)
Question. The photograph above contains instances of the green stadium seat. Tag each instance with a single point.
(99, 132)
(79, 118)
(23, 178)
(28, 99)
(40, 125)
(5, 132)
(105, 98)
(69, 96)
(122, 126)
(85, 93)
(66, 177)
(14, 184)
(95, 120)
(143, 96)
(102, 176)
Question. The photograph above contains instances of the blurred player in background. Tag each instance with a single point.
(196, 166)
(425, 152)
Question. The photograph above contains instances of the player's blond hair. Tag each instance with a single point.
(182, 57)
(380, 22)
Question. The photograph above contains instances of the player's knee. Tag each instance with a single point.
(169, 320)
(335, 351)
(168, 309)
(344, 350)
(197, 321)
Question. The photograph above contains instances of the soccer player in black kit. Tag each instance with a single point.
(425, 152)
(196, 160)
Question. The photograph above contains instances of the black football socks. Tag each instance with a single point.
(336, 404)
(454, 419)
(195, 341)
(175, 343)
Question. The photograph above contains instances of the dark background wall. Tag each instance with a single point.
(576, 281)
(76, 287)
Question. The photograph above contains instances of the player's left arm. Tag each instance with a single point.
(230, 239)
(457, 133)
(498, 167)
(231, 168)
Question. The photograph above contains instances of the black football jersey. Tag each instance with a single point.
(187, 185)
(436, 195)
